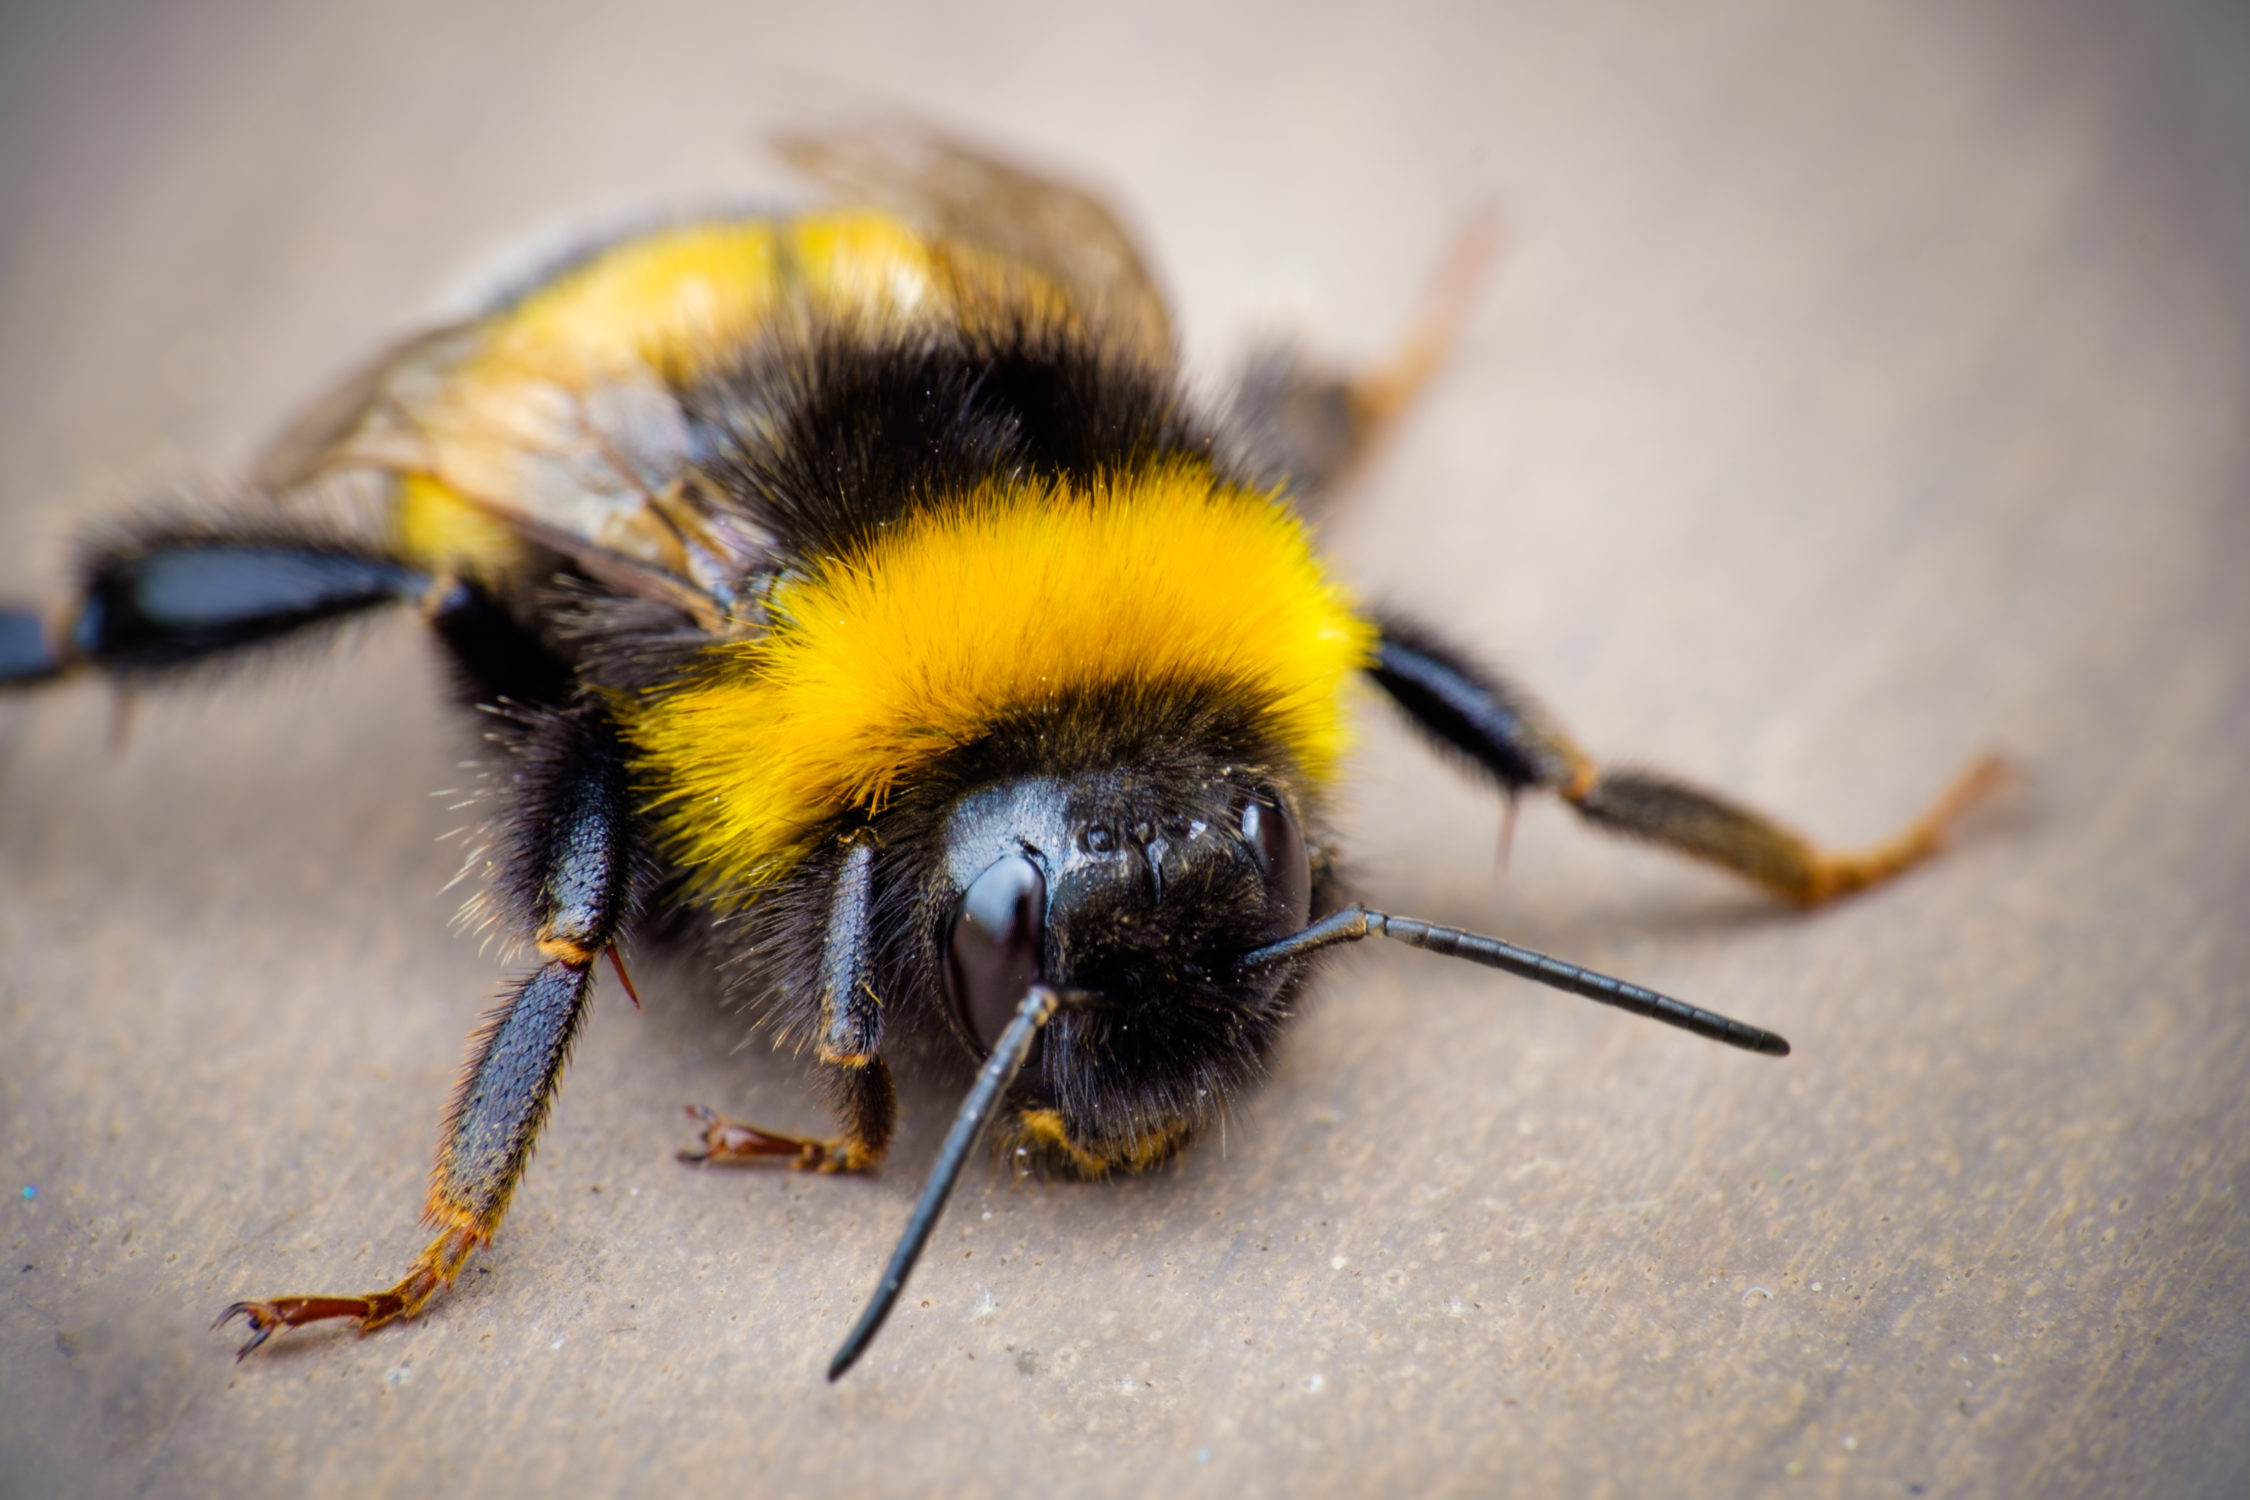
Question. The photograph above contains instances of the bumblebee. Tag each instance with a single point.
(862, 594)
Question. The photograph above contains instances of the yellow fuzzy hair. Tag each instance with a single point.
(680, 301)
(1004, 599)
(685, 301)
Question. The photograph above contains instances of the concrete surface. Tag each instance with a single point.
(1867, 384)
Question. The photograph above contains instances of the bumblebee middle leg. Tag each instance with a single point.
(1504, 733)
(576, 872)
(856, 1079)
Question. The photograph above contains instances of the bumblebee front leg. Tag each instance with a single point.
(856, 1079)
(576, 872)
(1504, 733)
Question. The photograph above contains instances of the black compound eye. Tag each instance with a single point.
(1279, 849)
(992, 955)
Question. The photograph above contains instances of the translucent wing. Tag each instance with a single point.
(955, 191)
(304, 450)
(556, 420)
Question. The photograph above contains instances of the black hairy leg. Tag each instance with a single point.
(26, 653)
(161, 601)
(1305, 426)
(574, 875)
(853, 1075)
(496, 658)
(1504, 734)
(166, 600)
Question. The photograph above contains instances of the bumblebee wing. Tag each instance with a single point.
(489, 447)
(305, 448)
(954, 191)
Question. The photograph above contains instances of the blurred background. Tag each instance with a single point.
(1862, 386)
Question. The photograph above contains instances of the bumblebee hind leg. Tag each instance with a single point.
(1710, 828)
(26, 653)
(1502, 732)
(856, 1079)
(166, 599)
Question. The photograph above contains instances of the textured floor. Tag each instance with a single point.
(1865, 385)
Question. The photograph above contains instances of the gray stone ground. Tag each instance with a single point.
(1866, 385)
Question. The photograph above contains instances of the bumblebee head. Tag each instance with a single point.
(1138, 890)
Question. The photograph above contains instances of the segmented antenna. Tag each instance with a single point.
(1356, 922)
(977, 1110)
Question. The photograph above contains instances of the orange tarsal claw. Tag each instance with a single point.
(432, 1271)
(727, 1140)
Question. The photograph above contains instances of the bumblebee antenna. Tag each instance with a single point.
(1356, 922)
(977, 1110)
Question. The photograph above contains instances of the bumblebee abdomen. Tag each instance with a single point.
(560, 412)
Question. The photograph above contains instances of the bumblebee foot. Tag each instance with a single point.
(432, 1271)
(1841, 874)
(727, 1140)
(295, 1312)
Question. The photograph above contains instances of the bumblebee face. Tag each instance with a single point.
(1140, 891)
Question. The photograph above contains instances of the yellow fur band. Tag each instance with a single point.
(1000, 600)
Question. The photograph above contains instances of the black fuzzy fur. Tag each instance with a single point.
(823, 438)
(496, 656)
